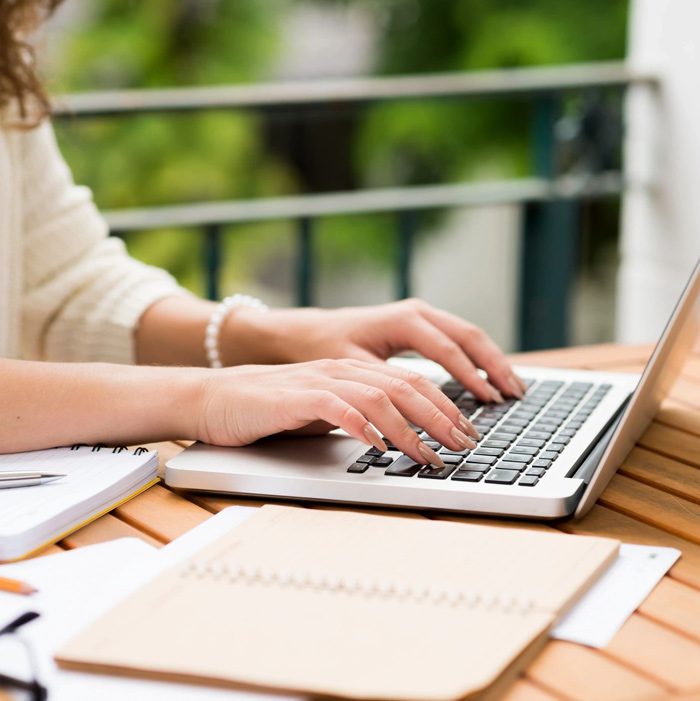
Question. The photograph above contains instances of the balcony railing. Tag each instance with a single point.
(549, 197)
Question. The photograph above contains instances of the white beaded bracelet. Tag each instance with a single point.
(211, 336)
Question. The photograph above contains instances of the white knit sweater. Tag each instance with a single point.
(67, 290)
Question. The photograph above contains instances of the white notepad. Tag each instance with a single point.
(97, 480)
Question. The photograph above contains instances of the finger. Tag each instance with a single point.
(477, 344)
(323, 405)
(419, 399)
(374, 403)
(433, 343)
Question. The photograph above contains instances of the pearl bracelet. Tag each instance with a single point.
(211, 336)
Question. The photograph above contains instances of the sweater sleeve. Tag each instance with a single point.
(83, 295)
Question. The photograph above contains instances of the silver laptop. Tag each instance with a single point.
(547, 456)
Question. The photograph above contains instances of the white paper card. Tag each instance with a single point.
(616, 595)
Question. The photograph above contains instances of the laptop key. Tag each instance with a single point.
(467, 476)
(404, 467)
(549, 455)
(384, 461)
(542, 463)
(517, 466)
(536, 471)
(524, 449)
(437, 473)
(556, 447)
(530, 442)
(510, 428)
(503, 436)
(358, 467)
(365, 458)
(528, 481)
(518, 457)
(449, 451)
(493, 452)
(482, 459)
(502, 476)
(496, 444)
(537, 436)
(451, 459)
(374, 451)
(474, 466)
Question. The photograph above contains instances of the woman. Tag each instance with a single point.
(137, 342)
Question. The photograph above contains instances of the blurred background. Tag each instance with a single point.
(423, 162)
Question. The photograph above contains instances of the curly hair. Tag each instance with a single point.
(19, 82)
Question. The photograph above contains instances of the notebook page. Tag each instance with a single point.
(392, 599)
(91, 477)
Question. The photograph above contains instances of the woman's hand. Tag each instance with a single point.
(372, 334)
(238, 405)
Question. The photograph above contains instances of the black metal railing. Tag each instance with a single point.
(549, 198)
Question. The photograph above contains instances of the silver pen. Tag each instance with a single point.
(26, 479)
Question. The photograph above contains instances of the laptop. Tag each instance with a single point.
(547, 456)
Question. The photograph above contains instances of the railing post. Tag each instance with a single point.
(407, 220)
(305, 262)
(212, 259)
(549, 247)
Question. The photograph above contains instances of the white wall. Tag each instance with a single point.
(661, 212)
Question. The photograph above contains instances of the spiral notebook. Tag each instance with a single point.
(97, 480)
(342, 604)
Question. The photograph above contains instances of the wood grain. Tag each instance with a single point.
(107, 527)
(581, 674)
(162, 514)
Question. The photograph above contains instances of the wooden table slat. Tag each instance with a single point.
(162, 514)
(107, 527)
(672, 442)
(673, 660)
(526, 690)
(675, 605)
(666, 511)
(664, 473)
(582, 674)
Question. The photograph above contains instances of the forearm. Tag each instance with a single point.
(171, 332)
(50, 404)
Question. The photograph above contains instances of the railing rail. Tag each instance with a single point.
(259, 97)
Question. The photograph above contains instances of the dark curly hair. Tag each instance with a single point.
(19, 82)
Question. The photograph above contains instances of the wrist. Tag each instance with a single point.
(247, 337)
(175, 398)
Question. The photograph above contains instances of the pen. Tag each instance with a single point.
(26, 479)
(14, 586)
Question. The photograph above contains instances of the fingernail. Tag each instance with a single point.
(374, 438)
(430, 456)
(468, 427)
(462, 439)
(496, 395)
(515, 387)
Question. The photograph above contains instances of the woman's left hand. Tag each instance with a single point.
(372, 334)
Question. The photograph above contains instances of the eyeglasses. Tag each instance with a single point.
(36, 691)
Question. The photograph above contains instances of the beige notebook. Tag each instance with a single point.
(347, 604)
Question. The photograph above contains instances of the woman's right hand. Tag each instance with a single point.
(241, 404)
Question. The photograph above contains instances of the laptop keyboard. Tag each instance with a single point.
(520, 439)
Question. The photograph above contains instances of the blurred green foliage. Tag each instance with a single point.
(150, 160)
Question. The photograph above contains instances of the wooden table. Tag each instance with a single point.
(654, 499)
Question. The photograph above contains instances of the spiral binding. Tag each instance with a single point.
(237, 573)
(114, 449)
